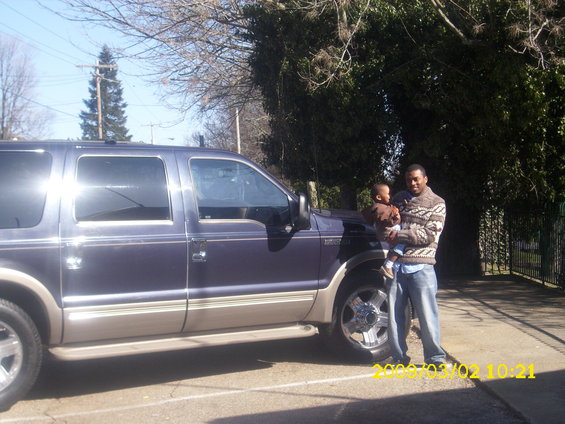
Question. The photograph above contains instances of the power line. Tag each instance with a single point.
(143, 105)
(41, 104)
(60, 53)
(44, 27)
(68, 104)
(38, 42)
(51, 108)
(139, 98)
(62, 38)
(58, 84)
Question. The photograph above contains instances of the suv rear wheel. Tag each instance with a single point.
(20, 353)
(358, 330)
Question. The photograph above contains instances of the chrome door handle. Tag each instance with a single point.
(73, 255)
(73, 262)
(198, 249)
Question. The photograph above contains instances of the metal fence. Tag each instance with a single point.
(529, 244)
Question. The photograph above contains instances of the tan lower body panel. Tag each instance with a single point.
(137, 346)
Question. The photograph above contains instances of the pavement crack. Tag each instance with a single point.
(174, 389)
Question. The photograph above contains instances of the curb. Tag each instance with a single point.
(477, 381)
(484, 386)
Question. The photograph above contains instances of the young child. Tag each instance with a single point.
(385, 217)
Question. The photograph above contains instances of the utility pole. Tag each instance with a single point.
(98, 77)
(151, 124)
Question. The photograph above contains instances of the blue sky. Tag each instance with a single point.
(56, 46)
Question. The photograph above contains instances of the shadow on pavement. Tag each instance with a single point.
(502, 326)
(64, 379)
(531, 391)
(446, 407)
(533, 309)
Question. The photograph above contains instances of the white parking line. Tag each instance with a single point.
(185, 398)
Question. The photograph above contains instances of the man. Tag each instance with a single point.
(423, 217)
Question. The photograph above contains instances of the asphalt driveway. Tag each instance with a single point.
(289, 381)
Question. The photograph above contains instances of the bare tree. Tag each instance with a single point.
(541, 33)
(18, 117)
(197, 48)
(220, 130)
(535, 27)
(199, 57)
(200, 53)
(254, 128)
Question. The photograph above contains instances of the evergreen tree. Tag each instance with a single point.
(113, 106)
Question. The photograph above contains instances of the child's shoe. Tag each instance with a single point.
(387, 272)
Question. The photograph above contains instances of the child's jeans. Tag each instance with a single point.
(398, 249)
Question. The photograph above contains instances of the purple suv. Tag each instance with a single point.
(120, 249)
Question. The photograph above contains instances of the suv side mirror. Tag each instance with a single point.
(301, 217)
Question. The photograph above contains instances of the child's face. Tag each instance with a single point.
(384, 195)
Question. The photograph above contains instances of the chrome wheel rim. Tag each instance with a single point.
(11, 355)
(364, 318)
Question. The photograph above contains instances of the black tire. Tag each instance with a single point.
(358, 331)
(20, 354)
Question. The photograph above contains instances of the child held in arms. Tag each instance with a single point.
(384, 217)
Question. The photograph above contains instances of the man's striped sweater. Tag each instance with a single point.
(423, 218)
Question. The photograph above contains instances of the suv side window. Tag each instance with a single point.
(119, 188)
(24, 178)
(227, 189)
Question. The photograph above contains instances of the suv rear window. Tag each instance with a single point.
(24, 178)
(118, 188)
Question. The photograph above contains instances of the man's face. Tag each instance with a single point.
(416, 182)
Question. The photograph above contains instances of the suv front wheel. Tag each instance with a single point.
(20, 353)
(358, 330)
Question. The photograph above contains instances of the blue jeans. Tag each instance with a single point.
(399, 248)
(421, 288)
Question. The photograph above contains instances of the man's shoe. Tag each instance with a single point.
(404, 361)
(437, 364)
(385, 271)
